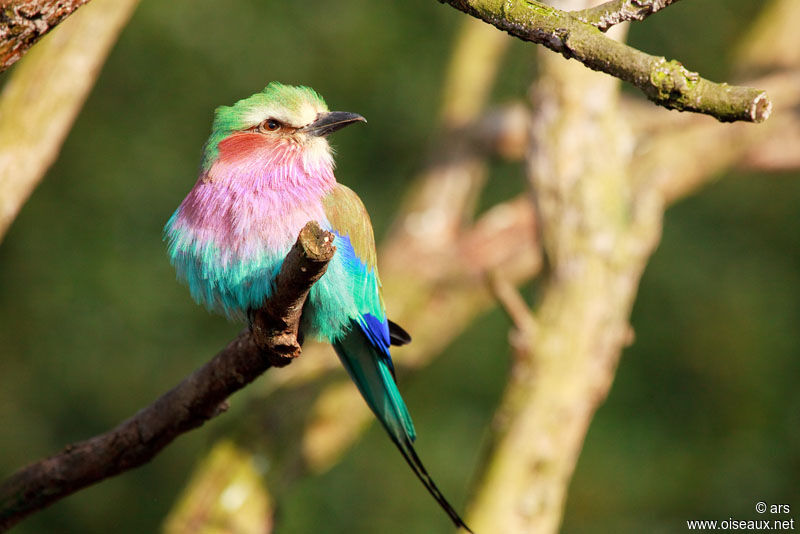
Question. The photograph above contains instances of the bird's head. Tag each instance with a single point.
(281, 118)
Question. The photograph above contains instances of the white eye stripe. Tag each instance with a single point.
(297, 118)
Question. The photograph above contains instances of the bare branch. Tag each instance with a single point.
(198, 398)
(276, 324)
(610, 13)
(667, 83)
(24, 22)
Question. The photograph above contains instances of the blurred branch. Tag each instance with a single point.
(667, 83)
(512, 302)
(706, 147)
(771, 43)
(226, 494)
(608, 14)
(42, 97)
(779, 154)
(24, 22)
(501, 131)
(201, 396)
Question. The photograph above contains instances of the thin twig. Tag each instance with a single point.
(511, 301)
(667, 83)
(198, 398)
(610, 13)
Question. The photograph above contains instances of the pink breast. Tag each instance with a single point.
(257, 195)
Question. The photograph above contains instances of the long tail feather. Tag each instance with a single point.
(410, 455)
(370, 370)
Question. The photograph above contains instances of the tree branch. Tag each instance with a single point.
(198, 398)
(24, 22)
(610, 13)
(667, 83)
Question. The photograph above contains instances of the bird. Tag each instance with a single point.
(266, 170)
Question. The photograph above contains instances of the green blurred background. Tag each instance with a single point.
(702, 422)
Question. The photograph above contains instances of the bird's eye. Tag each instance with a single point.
(269, 125)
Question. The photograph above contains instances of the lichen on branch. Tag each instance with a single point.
(667, 83)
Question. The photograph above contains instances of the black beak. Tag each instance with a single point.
(331, 121)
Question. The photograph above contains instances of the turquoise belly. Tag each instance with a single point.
(345, 292)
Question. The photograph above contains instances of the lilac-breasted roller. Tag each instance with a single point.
(267, 170)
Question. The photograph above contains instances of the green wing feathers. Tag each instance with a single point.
(348, 216)
(371, 373)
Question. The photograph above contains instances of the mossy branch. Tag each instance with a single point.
(667, 83)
